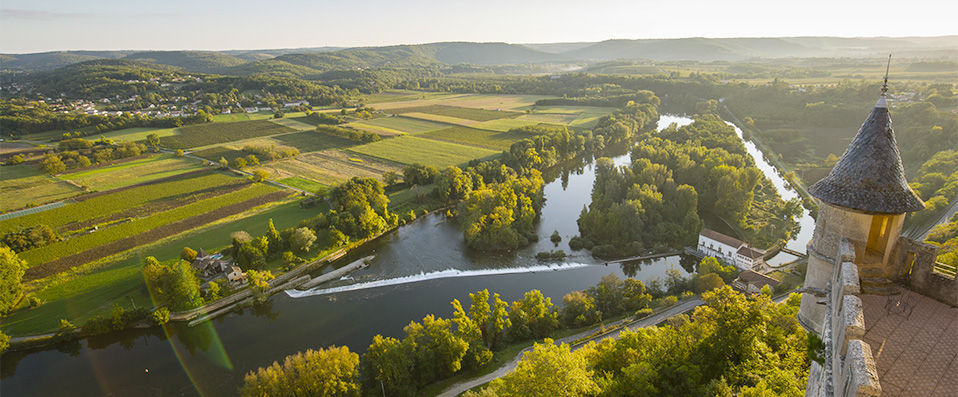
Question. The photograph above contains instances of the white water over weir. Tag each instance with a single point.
(449, 273)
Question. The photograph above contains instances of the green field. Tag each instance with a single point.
(312, 141)
(86, 292)
(474, 137)
(107, 204)
(136, 226)
(456, 112)
(133, 172)
(403, 124)
(215, 133)
(220, 118)
(302, 183)
(329, 167)
(294, 123)
(409, 149)
(24, 184)
(138, 133)
(503, 125)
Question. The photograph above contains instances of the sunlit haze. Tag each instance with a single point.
(32, 26)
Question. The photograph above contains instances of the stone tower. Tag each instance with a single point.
(863, 202)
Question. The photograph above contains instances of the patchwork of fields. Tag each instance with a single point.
(409, 149)
(156, 204)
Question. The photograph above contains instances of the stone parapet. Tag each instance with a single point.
(859, 372)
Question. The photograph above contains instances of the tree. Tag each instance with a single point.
(302, 239)
(391, 178)
(387, 366)
(252, 160)
(578, 309)
(12, 269)
(548, 370)
(188, 254)
(178, 153)
(259, 281)
(174, 285)
(327, 372)
(239, 163)
(51, 164)
(436, 351)
(477, 353)
(479, 313)
(15, 159)
(153, 140)
(4, 342)
(259, 175)
(223, 163)
(609, 295)
(532, 317)
(499, 321)
(276, 242)
(707, 282)
(418, 174)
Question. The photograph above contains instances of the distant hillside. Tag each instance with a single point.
(301, 62)
(101, 77)
(52, 60)
(192, 61)
(489, 53)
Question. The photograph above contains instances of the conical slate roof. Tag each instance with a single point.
(869, 176)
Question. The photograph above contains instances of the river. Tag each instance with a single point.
(418, 270)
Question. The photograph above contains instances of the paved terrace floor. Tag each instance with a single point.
(914, 339)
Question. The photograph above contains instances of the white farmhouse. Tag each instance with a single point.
(729, 249)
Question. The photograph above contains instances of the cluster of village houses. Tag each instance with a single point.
(736, 252)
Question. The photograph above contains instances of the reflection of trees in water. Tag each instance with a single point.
(199, 337)
(9, 361)
(632, 268)
(126, 338)
(263, 309)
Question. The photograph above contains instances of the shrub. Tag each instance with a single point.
(161, 316)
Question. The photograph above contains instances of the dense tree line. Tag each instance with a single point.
(936, 182)
(676, 176)
(733, 345)
(348, 133)
(719, 345)
(80, 153)
(501, 216)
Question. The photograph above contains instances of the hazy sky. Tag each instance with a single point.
(45, 25)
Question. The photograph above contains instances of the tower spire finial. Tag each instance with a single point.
(884, 86)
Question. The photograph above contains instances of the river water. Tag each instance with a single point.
(418, 270)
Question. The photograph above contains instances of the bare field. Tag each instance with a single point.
(441, 119)
(330, 167)
(409, 149)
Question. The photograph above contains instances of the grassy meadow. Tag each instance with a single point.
(474, 137)
(214, 133)
(134, 172)
(409, 149)
(401, 124)
(23, 184)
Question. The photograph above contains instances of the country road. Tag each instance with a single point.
(649, 321)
